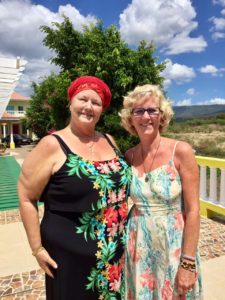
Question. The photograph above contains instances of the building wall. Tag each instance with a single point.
(17, 110)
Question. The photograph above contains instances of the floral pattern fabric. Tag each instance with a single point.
(154, 239)
(105, 222)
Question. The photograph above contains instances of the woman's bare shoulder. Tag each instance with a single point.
(47, 147)
(184, 148)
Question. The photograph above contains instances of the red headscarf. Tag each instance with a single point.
(90, 83)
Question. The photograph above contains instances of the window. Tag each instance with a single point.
(10, 108)
(20, 108)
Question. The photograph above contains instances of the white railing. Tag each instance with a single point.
(16, 113)
(212, 185)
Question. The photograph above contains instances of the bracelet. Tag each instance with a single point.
(188, 266)
(188, 257)
(36, 251)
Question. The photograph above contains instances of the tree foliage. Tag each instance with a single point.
(95, 51)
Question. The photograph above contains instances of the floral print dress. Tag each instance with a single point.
(155, 232)
(83, 227)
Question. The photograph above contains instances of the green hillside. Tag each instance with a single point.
(195, 111)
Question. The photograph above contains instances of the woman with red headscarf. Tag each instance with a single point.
(83, 181)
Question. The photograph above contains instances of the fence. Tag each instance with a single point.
(212, 186)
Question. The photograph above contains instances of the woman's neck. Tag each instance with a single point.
(84, 131)
(149, 143)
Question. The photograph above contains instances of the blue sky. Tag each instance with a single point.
(189, 35)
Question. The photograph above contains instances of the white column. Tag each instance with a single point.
(213, 185)
(12, 144)
(4, 129)
(222, 187)
(203, 193)
(28, 132)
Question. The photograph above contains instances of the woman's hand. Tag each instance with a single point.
(46, 262)
(184, 282)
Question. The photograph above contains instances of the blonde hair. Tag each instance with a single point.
(138, 96)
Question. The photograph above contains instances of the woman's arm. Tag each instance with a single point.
(189, 174)
(36, 171)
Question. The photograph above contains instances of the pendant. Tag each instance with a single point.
(146, 178)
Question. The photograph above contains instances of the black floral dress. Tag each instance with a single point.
(83, 227)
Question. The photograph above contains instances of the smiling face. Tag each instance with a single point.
(146, 116)
(86, 107)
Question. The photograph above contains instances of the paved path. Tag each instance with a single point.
(21, 278)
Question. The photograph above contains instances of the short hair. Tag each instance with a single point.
(138, 96)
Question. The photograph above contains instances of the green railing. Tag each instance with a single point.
(212, 186)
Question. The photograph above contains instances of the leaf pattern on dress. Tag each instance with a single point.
(106, 222)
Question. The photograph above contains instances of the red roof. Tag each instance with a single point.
(17, 96)
(9, 116)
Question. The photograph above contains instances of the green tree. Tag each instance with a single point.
(101, 52)
(48, 107)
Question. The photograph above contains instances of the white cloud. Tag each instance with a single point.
(184, 102)
(213, 101)
(36, 70)
(20, 34)
(20, 22)
(223, 12)
(166, 83)
(178, 73)
(218, 36)
(190, 92)
(218, 23)
(166, 22)
(217, 28)
(210, 69)
(183, 43)
(220, 2)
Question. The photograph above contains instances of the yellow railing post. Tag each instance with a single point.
(212, 194)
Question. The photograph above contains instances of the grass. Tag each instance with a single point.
(207, 136)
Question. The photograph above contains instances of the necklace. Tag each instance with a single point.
(89, 142)
(91, 145)
(153, 158)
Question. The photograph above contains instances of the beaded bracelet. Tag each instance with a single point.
(188, 266)
(36, 251)
(188, 257)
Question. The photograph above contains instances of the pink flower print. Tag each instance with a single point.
(135, 256)
(112, 198)
(179, 223)
(121, 195)
(112, 230)
(177, 252)
(148, 279)
(121, 227)
(114, 277)
(115, 165)
(103, 168)
(167, 292)
(115, 285)
(170, 169)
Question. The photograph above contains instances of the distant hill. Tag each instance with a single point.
(195, 111)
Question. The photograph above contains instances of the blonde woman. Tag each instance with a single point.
(163, 227)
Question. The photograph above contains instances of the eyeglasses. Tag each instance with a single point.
(152, 111)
